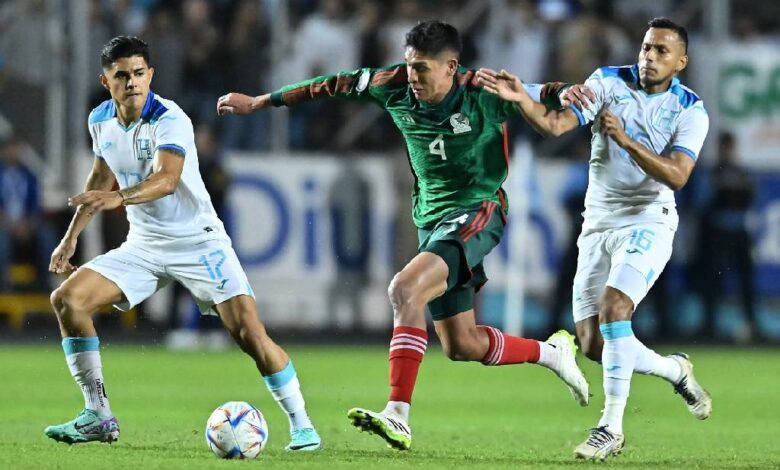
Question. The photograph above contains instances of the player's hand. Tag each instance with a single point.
(578, 95)
(60, 257)
(507, 86)
(94, 201)
(237, 103)
(611, 126)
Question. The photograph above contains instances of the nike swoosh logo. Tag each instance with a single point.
(304, 446)
(83, 427)
(612, 368)
(632, 251)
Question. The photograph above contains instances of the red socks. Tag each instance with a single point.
(505, 349)
(407, 349)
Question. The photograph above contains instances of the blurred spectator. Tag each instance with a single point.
(203, 61)
(326, 42)
(586, 42)
(516, 40)
(24, 235)
(163, 34)
(725, 240)
(248, 71)
(350, 209)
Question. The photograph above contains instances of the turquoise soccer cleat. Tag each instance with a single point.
(88, 426)
(303, 440)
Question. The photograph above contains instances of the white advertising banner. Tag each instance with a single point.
(740, 85)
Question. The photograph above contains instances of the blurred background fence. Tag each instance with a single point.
(317, 197)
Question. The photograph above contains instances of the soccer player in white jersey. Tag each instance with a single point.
(647, 130)
(146, 143)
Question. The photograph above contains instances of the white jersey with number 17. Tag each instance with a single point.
(619, 192)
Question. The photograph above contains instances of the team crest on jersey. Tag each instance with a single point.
(460, 123)
(143, 149)
(664, 119)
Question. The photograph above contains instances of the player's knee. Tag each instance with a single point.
(402, 291)
(67, 300)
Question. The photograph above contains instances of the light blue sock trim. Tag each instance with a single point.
(617, 329)
(73, 345)
(279, 379)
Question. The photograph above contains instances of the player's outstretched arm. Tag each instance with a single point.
(673, 172)
(238, 103)
(99, 179)
(548, 122)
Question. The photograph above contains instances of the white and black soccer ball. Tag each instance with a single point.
(236, 430)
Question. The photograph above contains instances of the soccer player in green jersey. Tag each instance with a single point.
(457, 149)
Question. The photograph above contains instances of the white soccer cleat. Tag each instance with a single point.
(566, 366)
(696, 398)
(600, 444)
(390, 427)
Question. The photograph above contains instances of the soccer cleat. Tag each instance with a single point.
(600, 444)
(389, 427)
(696, 398)
(88, 426)
(304, 440)
(567, 368)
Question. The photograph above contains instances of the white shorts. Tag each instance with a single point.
(210, 270)
(628, 259)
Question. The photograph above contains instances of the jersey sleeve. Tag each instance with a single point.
(174, 132)
(597, 83)
(95, 145)
(365, 84)
(691, 131)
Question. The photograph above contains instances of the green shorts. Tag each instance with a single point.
(462, 239)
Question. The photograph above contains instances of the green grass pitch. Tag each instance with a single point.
(464, 415)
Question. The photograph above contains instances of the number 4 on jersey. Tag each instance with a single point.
(436, 147)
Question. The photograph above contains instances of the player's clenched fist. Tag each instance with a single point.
(238, 103)
(612, 127)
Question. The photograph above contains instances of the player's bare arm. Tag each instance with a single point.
(238, 103)
(99, 179)
(167, 168)
(548, 122)
(673, 172)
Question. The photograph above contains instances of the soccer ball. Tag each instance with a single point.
(236, 430)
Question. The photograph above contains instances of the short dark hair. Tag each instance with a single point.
(666, 23)
(121, 47)
(434, 37)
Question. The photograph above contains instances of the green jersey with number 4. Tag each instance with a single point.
(457, 149)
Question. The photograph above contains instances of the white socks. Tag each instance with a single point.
(617, 360)
(623, 355)
(612, 416)
(83, 357)
(649, 362)
(549, 356)
(399, 408)
(286, 390)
